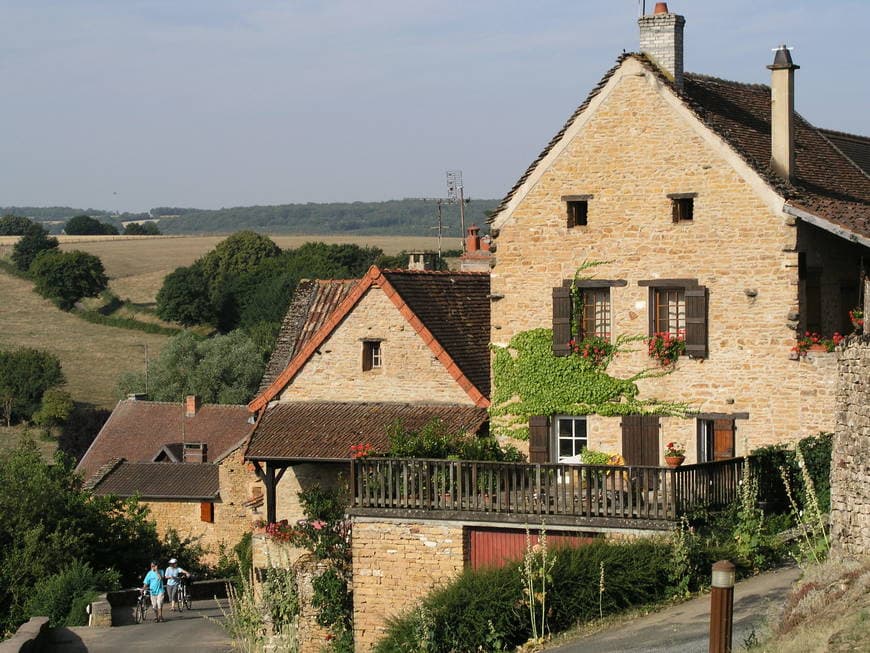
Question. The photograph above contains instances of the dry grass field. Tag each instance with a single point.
(136, 265)
(92, 355)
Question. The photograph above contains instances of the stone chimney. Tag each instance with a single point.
(782, 113)
(478, 255)
(191, 405)
(661, 39)
(194, 452)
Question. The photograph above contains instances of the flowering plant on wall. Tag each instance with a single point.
(594, 349)
(856, 315)
(810, 340)
(361, 450)
(666, 348)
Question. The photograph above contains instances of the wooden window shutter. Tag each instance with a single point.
(539, 439)
(696, 322)
(723, 439)
(206, 511)
(561, 321)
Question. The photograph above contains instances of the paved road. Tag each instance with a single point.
(186, 632)
(684, 628)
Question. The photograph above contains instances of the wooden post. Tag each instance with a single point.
(270, 482)
(721, 607)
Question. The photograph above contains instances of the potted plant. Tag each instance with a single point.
(815, 342)
(595, 350)
(856, 315)
(667, 348)
(675, 454)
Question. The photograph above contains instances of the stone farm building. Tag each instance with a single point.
(355, 357)
(722, 217)
(184, 460)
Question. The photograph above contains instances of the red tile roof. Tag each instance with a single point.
(829, 182)
(189, 481)
(138, 430)
(431, 303)
(326, 430)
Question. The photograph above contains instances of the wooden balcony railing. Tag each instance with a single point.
(562, 493)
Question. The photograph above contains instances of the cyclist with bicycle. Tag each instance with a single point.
(153, 583)
(174, 575)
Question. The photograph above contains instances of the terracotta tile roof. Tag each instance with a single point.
(464, 285)
(828, 183)
(455, 307)
(327, 430)
(857, 148)
(138, 430)
(313, 301)
(190, 481)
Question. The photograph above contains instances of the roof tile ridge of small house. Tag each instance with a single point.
(298, 361)
(827, 133)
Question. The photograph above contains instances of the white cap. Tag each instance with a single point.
(172, 561)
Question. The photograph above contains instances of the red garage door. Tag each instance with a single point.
(492, 547)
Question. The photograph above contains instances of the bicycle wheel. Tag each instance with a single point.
(187, 602)
(140, 611)
(179, 598)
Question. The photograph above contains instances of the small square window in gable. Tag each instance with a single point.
(682, 206)
(577, 210)
(372, 355)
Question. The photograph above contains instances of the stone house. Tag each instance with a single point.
(184, 461)
(722, 217)
(354, 357)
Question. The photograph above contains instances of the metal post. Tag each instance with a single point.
(721, 607)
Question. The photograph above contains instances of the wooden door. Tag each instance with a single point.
(640, 439)
(723, 439)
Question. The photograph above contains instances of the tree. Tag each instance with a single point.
(25, 376)
(57, 405)
(67, 277)
(185, 297)
(241, 253)
(224, 370)
(142, 229)
(85, 225)
(49, 522)
(34, 241)
(14, 225)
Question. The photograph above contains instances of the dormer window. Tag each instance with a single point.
(682, 206)
(577, 209)
(372, 355)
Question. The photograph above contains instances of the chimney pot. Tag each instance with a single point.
(191, 405)
(472, 238)
(661, 8)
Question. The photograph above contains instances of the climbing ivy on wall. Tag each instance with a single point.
(529, 380)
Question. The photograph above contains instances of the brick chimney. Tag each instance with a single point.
(782, 113)
(194, 452)
(661, 39)
(191, 405)
(472, 238)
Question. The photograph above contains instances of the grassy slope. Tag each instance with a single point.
(93, 356)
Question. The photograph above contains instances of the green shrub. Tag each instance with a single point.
(767, 461)
(435, 440)
(62, 597)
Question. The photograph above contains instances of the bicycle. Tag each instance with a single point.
(182, 596)
(142, 605)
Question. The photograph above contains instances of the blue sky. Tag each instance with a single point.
(130, 104)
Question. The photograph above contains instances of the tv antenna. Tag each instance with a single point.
(456, 193)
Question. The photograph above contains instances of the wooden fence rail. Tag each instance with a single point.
(578, 491)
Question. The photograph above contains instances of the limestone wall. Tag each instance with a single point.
(850, 466)
(395, 564)
(409, 371)
(635, 149)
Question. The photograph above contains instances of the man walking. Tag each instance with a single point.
(154, 584)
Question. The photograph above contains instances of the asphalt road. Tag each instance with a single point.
(188, 632)
(684, 628)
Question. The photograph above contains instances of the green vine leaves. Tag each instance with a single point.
(529, 380)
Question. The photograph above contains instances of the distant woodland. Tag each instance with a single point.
(406, 217)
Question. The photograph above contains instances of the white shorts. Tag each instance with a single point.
(157, 601)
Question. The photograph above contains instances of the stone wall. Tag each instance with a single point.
(850, 465)
(231, 518)
(395, 564)
(636, 146)
(409, 371)
(303, 477)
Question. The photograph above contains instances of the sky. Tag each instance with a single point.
(127, 105)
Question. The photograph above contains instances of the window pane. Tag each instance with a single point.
(566, 448)
(670, 311)
(566, 429)
(596, 313)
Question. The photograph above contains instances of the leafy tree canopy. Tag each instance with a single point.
(241, 253)
(85, 225)
(14, 225)
(49, 522)
(67, 277)
(223, 370)
(25, 375)
(142, 229)
(185, 297)
(34, 241)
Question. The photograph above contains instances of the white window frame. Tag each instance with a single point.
(579, 442)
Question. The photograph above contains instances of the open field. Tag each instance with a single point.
(92, 355)
(136, 265)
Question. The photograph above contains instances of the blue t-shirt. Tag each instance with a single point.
(154, 581)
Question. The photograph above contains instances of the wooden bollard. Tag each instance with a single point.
(721, 607)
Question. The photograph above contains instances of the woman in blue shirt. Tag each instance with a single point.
(154, 584)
